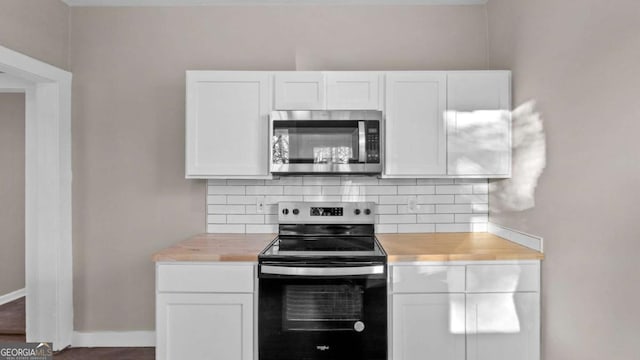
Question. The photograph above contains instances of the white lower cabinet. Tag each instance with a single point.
(205, 326)
(490, 313)
(207, 312)
(428, 326)
(503, 326)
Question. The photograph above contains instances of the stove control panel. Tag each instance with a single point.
(326, 212)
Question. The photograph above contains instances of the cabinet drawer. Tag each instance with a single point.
(503, 278)
(428, 279)
(205, 278)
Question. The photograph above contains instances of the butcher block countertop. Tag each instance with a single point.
(216, 247)
(399, 247)
(453, 246)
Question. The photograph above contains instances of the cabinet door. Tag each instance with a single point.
(503, 326)
(204, 326)
(227, 124)
(428, 326)
(353, 90)
(415, 132)
(479, 123)
(299, 90)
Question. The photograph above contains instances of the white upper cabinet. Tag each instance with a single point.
(479, 123)
(353, 90)
(415, 136)
(227, 124)
(299, 90)
(330, 90)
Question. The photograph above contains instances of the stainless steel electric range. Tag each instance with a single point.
(323, 285)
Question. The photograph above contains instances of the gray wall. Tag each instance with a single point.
(579, 60)
(38, 28)
(130, 197)
(12, 108)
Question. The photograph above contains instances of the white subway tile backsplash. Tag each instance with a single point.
(276, 199)
(267, 209)
(303, 190)
(271, 219)
(264, 190)
(359, 180)
(322, 198)
(216, 199)
(225, 228)
(435, 199)
(245, 182)
(454, 227)
(386, 209)
(470, 181)
(481, 188)
(399, 199)
(262, 229)
(287, 180)
(216, 219)
(245, 219)
(472, 199)
(441, 205)
(386, 228)
(217, 182)
(379, 190)
(416, 189)
(414, 228)
(480, 227)
(360, 198)
(454, 189)
(340, 190)
(397, 181)
(434, 181)
(241, 199)
(225, 190)
(435, 218)
(445, 209)
(397, 219)
(420, 209)
(480, 208)
(472, 218)
(317, 180)
(225, 209)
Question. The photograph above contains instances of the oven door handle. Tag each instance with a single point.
(362, 155)
(322, 271)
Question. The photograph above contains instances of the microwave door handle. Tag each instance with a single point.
(322, 271)
(362, 156)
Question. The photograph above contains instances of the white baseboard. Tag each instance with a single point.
(14, 295)
(114, 339)
(518, 237)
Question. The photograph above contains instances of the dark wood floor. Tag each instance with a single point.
(12, 329)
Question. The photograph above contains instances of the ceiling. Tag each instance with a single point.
(267, 2)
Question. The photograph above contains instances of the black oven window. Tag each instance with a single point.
(322, 307)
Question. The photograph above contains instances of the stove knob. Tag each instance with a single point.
(367, 211)
(356, 211)
(285, 211)
(296, 211)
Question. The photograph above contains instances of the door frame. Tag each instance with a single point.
(48, 245)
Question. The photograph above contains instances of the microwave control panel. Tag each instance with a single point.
(373, 141)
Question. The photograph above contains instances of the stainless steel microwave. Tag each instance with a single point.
(326, 142)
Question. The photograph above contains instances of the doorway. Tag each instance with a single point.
(47, 215)
(12, 223)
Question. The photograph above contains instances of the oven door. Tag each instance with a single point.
(314, 312)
